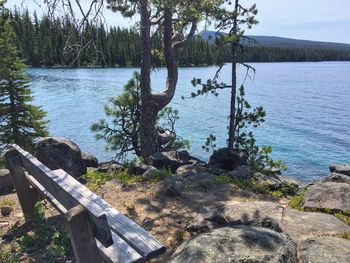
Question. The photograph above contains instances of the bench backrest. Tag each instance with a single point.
(118, 238)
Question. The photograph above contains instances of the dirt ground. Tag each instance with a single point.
(164, 217)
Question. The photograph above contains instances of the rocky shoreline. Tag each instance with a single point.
(236, 215)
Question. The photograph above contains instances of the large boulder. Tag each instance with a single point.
(337, 178)
(238, 244)
(89, 160)
(227, 159)
(340, 168)
(325, 250)
(327, 196)
(6, 184)
(172, 159)
(59, 153)
(299, 225)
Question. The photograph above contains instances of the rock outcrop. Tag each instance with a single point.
(337, 178)
(325, 250)
(89, 160)
(171, 160)
(241, 172)
(109, 167)
(328, 195)
(237, 244)
(340, 168)
(59, 153)
(227, 159)
(299, 225)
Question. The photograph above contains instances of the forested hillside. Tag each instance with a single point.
(46, 42)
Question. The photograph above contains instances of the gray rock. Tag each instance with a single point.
(241, 172)
(239, 244)
(340, 168)
(59, 153)
(109, 167)
(150, 172)
(325, 250)
(189, 169)
(275, 181)
(139, 168)
(169, 187)
(271, 181)
(337, 178)
(227, 159)
(171, 159)
(6, 184)
(299, 225)
(329, 195)
(291, 181)
(89, 160)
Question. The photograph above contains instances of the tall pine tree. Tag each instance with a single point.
(20, 121)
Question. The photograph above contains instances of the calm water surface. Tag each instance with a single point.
(307, 105)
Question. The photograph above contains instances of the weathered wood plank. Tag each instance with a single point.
(133, 234)
(67, 195)
(81, 236)
(119, 252)
(27, 195)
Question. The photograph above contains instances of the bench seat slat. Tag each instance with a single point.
(119, 252)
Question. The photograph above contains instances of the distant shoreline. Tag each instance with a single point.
(182, 66)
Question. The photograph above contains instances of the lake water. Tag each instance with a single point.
(307, 105)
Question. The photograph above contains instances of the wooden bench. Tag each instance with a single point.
(98, 232)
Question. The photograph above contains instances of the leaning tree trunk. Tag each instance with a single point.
(151, 104)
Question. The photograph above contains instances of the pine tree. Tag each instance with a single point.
(20, 121)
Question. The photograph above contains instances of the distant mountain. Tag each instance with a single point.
(271, 41)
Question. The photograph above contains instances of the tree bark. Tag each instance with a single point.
(234, 47)
(148, 135)
(151, 104)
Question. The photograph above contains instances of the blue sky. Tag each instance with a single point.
(321, 20)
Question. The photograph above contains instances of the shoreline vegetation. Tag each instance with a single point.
(160, 67)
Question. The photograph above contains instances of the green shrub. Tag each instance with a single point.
(44, 235)
(223, 179)
(127, 178)
(95, 179)
(60, 247)
(41, 232)
(296, 201)
(343, 217)
(286, 189)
